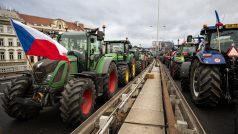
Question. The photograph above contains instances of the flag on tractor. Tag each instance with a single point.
(36, 43)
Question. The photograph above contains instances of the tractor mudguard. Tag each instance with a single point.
(184, 72)
(103, 65)
(210, 57)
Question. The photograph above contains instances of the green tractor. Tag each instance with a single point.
(74, 85)
(143, 58)
(139, 57)
(183, 54)
(150, 56)
(118, 50)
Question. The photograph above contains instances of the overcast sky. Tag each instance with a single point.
(136, 19)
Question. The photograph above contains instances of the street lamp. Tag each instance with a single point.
(157, 39)
(104, 27)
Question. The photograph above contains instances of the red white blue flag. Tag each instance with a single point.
(37, 43)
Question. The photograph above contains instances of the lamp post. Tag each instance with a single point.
(157, 39)
(104, 27)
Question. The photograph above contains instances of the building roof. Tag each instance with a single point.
(48, 21)
(6, 14)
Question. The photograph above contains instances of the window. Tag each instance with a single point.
(9, 29)
(227, 39)
(10, 42)
(18, 44)
(1, 42)
(11, 55)
(60, 26)
(19, 55)
(2, 55)
(1, 29)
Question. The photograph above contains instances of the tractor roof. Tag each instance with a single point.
(214, 28)
(117, 41)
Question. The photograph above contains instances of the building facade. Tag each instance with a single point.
(11, 52)
(12, 57)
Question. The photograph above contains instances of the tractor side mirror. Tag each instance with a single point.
(100, 35)
(92, 40)
(189, 38)
(130, 46)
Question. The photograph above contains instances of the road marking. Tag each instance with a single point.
(1, 93)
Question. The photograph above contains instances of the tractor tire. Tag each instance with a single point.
(110, 85)
(185, 84)
(175, 70)
(138, 67)
(123, 75)
(78, 99)
(205, 84)
(19, 89)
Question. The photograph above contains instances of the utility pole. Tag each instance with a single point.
(157, 39)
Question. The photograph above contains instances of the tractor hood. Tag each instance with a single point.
(115, 56)
(44, 67)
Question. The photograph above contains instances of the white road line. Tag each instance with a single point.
(1, 93)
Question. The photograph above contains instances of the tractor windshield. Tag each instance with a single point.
(115, 47)
(189, 49)
(74, 42)
(227, 38)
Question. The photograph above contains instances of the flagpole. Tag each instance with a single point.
(31, 66)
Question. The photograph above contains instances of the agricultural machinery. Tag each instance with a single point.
(213, 72)
(74, 85)
(183, 54)
(137, 55)
(118, 50)
(150, 56)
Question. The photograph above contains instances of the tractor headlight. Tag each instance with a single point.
(48, 77)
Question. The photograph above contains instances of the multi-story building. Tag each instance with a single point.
(12, 58)
(11, 53)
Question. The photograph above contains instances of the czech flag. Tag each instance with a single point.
(37, 43)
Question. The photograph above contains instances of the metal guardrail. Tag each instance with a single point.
(111, 115)
(180, 117)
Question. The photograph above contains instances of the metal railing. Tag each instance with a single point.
(179, 115)
(109, 116)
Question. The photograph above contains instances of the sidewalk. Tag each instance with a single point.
(146, 115)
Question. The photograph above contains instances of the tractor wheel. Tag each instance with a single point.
(205, 84)
(185, 84)
(78, 99)
(19, 89)
(175, 70)
(111, 82)
(138, 67)
(123, 75)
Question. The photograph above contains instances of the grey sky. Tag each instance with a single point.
(133, 18)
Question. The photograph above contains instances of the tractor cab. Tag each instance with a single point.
(223, 39)
(86, 46)
(119, 47)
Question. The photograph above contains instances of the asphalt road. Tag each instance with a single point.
(217, 120)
